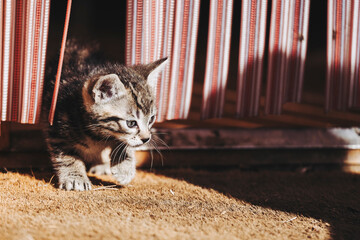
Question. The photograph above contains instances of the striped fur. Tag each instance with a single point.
(104, 110)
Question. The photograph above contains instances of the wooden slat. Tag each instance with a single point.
(24, 160)
(296, 121)
(347, 160)
(318, 112)
(4, 136)
(252, 159)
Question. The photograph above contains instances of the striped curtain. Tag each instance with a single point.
(169, 28)
(160, 28)
(343, 55)
(287, 52)
(165, 28)
(23, 34)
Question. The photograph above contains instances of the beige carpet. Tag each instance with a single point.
(184, 204)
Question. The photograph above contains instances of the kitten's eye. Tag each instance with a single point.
(152, 119)
(131, 123)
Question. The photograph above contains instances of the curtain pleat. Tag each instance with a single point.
(287, 53)
(165, 28)
(217, 60)
(343, 55)
(24, 30)
(251, 56)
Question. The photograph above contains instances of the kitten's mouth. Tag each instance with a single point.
(136, 146)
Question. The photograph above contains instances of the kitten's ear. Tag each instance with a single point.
(151, 71)
(107, 87)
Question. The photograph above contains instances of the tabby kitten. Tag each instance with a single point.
(103, 112)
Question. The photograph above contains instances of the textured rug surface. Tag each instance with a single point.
(184, 204)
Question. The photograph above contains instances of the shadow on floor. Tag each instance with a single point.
(332, 196)
(328, 195)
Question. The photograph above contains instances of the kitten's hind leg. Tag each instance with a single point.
(71, 173)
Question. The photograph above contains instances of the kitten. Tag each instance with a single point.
(103, 112)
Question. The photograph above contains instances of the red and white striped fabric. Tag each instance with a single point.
(24, 29)
(217, 60)
(343, 55)
(251, 55)
(165, 28)
(287, 53)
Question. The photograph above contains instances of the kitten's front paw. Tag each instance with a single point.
(124, 179)
(101, 169)
(124, 172)
(77, 183)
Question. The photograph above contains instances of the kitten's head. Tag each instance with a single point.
(121, 104)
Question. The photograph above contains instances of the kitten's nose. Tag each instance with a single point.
(145, 140)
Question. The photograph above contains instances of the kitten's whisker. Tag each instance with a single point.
(123, 149)
(159, 140)
(107, 138)
(160, 133)
(152, 159)
(154, 144)
(123, 154)
(113, 151)
(118, 159)
(161, 155)
(116, 150)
